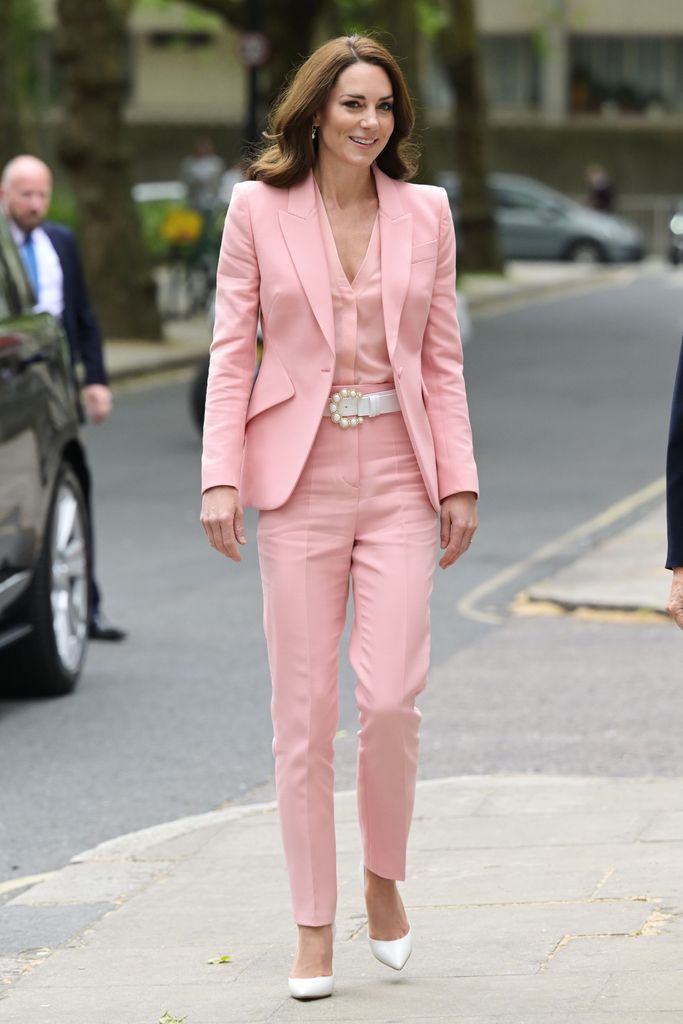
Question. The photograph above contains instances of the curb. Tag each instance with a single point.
(97, 881)
(167, 363)
(522, 294)
(130, 845)
(556, 555)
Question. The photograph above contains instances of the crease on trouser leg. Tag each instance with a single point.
(390, 655)
(303, 618)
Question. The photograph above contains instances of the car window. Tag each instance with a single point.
(516, 199)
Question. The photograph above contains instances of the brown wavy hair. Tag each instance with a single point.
(291, 153)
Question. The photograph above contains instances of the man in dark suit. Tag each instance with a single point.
(674, 498)
(53, 265)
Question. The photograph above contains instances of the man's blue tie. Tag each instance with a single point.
(28, 254)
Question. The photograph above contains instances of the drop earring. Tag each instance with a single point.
(314, 132)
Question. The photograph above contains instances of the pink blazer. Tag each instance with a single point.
(272, 263)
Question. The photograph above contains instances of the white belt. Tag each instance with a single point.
(349, 407)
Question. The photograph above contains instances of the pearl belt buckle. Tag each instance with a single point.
(344, 408)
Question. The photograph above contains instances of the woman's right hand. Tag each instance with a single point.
(223, 520)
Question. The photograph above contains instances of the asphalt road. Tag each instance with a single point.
(569, 401)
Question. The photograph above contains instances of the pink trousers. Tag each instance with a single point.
(360, 510)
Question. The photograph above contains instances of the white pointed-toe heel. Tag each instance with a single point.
(390, 952)
(313, 988)
(393, 953)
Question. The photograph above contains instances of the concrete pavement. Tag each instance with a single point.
(533, 898)
(624, 573)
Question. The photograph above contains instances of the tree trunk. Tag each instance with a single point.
(458, 46)
(91, 47)
(288, 24)
(401, 22)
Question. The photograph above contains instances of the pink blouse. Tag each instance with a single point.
(361, 346)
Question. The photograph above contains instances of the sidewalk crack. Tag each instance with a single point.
(654, 925)
(602, 881)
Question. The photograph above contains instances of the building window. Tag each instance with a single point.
(510, 68)
(181, 40)
(511, 72)
(631, 75)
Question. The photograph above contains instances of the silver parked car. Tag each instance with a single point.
(537, 223)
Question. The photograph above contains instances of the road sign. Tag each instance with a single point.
(254, 49)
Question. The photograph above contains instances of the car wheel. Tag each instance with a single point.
(585, 250)
(48, 661)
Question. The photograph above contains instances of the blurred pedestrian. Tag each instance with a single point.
(53, 266)
(230, 178)
(355, 438)
(674, 498)
(601, 191)
(202, 173)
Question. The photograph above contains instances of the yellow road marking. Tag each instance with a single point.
(21, 883)
(467, 605)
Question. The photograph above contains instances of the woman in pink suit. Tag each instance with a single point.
(352, 442)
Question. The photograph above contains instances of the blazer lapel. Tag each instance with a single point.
(301, 230)
(396, 236)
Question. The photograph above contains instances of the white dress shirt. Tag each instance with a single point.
(50, 277)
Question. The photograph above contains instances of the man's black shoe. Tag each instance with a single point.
(100, 629)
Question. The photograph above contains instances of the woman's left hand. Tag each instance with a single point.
(675, 603)
(458, 523)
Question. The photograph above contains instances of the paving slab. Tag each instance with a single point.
(532, 898)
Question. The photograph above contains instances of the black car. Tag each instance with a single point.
(44, 527)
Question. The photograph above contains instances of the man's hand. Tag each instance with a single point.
(223, 520)
(458, 523)
(97, 399)
(675, 603)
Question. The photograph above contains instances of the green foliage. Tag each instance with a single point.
(63, 207)
(357, 17)
(24, 23)
(191, 16)
(432, 17)
(24, 19)
(152, 215)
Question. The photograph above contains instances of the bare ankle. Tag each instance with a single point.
(378, 881)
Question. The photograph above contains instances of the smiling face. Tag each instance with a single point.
(357, 120)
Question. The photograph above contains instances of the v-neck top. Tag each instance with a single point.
(361, 350)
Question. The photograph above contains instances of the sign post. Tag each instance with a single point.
(254, 51)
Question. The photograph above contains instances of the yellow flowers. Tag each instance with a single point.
(181, 226)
